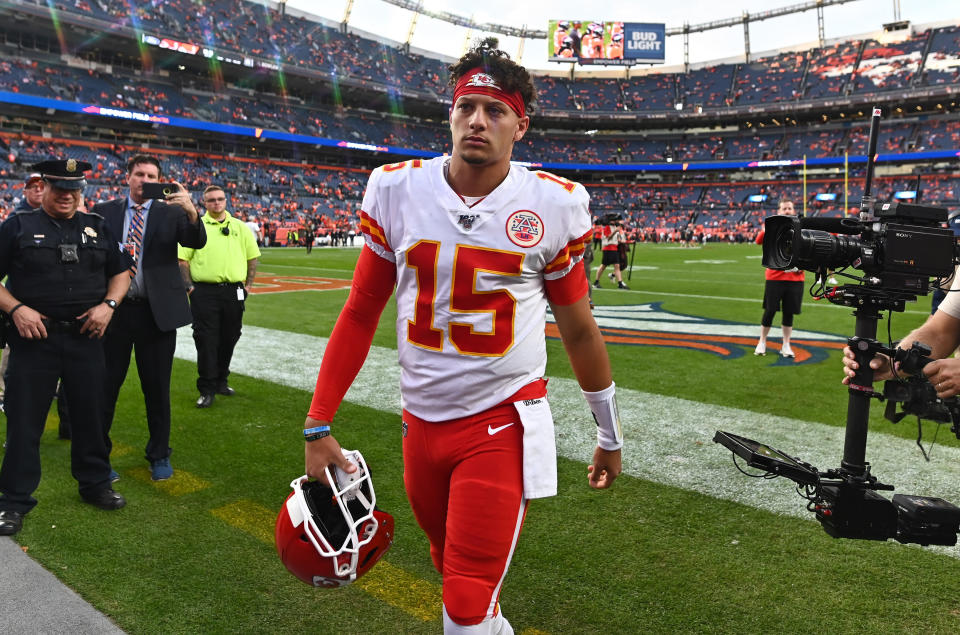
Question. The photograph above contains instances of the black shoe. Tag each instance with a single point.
(226, 390)
(596, 284)
(10, 523)
(622, 286)
(105, 499)
(205, 401)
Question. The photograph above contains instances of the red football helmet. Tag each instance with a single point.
(330, 536)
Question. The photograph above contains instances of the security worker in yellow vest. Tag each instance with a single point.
(65, 277)
(218, 277)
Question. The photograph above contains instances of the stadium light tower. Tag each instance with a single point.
(413, 27)
(346, 15)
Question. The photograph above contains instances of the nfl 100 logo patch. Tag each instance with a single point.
(524, 228)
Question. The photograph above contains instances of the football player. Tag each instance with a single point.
(477, 248)
(561, 32)
(591, 46)
(615, 48)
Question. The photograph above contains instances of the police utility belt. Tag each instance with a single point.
(66, 327)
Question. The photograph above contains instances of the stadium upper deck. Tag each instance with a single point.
(244, 30)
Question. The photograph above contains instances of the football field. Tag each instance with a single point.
(682, 543)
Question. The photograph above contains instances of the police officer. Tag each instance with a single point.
(65, 278)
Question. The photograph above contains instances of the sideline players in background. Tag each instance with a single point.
(611, 239)
(218, 277)
(66, 277)
(783, 292)
(477, 255)
(156, 304)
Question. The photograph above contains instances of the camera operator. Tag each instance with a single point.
(941, 332)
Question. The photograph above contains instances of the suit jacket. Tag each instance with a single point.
(167, 225)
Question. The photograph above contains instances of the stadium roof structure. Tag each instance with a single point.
(418, 7)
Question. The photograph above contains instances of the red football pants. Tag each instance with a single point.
(464, 479)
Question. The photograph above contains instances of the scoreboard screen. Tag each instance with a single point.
(610, 43)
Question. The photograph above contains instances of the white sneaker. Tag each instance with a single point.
(761, 349)
(786, 351)
(832, 280)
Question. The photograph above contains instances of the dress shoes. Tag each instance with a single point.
(205, 401)
(226, 390)
(10, 523)
(105, 499)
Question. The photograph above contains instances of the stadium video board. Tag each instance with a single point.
(610, 43)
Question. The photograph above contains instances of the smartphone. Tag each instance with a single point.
(158, 190)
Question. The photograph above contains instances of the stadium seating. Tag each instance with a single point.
(254, 29)
(770, 79)
(942, 65)
(283, 191)
(889, 66)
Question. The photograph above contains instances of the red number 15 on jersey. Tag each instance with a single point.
(464, 298)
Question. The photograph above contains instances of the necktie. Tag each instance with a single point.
(135, 235)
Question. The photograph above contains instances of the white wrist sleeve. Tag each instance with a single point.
(603, 405)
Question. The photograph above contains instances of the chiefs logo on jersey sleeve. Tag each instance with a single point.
(524, 228)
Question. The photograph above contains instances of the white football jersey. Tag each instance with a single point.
(471, 304)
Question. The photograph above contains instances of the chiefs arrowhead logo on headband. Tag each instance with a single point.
(483, 81)
(477, 82)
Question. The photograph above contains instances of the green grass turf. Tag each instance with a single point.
(642, 557)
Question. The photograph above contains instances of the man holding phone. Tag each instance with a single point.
(150, 222)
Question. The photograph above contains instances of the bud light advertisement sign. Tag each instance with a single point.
(605, 43)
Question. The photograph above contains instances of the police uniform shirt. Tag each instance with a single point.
(46, 277)
(224, 257)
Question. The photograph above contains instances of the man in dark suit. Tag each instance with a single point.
(156, 304)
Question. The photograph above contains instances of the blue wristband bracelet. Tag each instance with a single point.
(312, 434)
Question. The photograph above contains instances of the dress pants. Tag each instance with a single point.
(217, 321)
(31, 381)
(133, 329)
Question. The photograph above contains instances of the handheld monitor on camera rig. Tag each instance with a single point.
(898, 248)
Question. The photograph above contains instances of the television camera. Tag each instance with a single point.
(898, 248)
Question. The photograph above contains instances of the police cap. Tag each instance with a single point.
(63, 175)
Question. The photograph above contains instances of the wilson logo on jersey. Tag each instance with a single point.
(649, 325)
(524, 228)
(483, 81)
